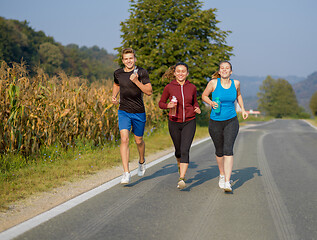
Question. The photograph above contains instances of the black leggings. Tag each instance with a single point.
(182, 135)
(224, 134)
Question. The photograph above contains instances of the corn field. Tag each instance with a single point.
(40, 111)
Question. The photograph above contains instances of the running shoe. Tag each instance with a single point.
(227, 187)
(181, 183)
(141, 169)
(125, 178)
(222, 181)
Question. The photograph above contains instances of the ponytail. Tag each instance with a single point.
(216, 75)
(169, 74)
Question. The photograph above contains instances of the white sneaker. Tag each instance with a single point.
(227, 187)
(221, 181)
(125, 178)
(181, 183)
(141, 169)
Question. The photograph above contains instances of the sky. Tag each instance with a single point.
(269, 37)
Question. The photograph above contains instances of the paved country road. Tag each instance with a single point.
(274, 195)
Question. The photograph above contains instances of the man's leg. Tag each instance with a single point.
(138, 126)
(124, 149)
(141, 147)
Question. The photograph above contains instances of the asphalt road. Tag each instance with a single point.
(274, 195)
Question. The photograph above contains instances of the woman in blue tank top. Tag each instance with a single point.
(223, 124)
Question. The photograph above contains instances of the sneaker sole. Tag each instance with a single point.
(227, 190)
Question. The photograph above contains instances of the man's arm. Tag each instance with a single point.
(115, 91)
(146, 88)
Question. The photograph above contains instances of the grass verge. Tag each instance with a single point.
(312, 121)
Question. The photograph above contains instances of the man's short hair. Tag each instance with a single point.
(126, 51)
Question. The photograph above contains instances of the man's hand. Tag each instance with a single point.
(134, 77)
(114, 100)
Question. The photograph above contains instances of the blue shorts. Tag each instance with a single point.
(136, 120)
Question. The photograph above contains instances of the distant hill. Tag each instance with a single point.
(305, 89)
(18, 41)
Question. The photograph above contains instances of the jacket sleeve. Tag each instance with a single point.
(164, 97)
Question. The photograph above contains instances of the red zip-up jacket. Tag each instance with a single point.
(186, 95)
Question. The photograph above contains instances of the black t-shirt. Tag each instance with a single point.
(131, 97)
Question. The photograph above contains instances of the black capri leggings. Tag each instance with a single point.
(182, 135)
(224, 134)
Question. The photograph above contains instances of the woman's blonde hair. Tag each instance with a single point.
(215, 75)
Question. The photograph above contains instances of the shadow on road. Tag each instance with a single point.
(202, 176)
(165, 170)
(240, 176)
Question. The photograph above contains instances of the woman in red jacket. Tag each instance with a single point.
(181, 121)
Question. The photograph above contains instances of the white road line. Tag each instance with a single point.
(43, 217)
(310, 124)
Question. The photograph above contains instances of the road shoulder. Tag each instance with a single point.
(34, 205)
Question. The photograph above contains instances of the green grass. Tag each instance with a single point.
(313, 121)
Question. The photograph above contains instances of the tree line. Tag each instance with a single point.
(19, 42)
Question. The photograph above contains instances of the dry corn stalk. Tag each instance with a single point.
(41, 111)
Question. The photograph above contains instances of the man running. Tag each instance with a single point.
(131, 81)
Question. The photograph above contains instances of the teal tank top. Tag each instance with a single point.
(227, 98)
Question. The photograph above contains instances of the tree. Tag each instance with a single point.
(313, 104)
(266, 96)
(277, 98)
(285, 102)
(51, 56)
(165, 32)
(11, 41)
